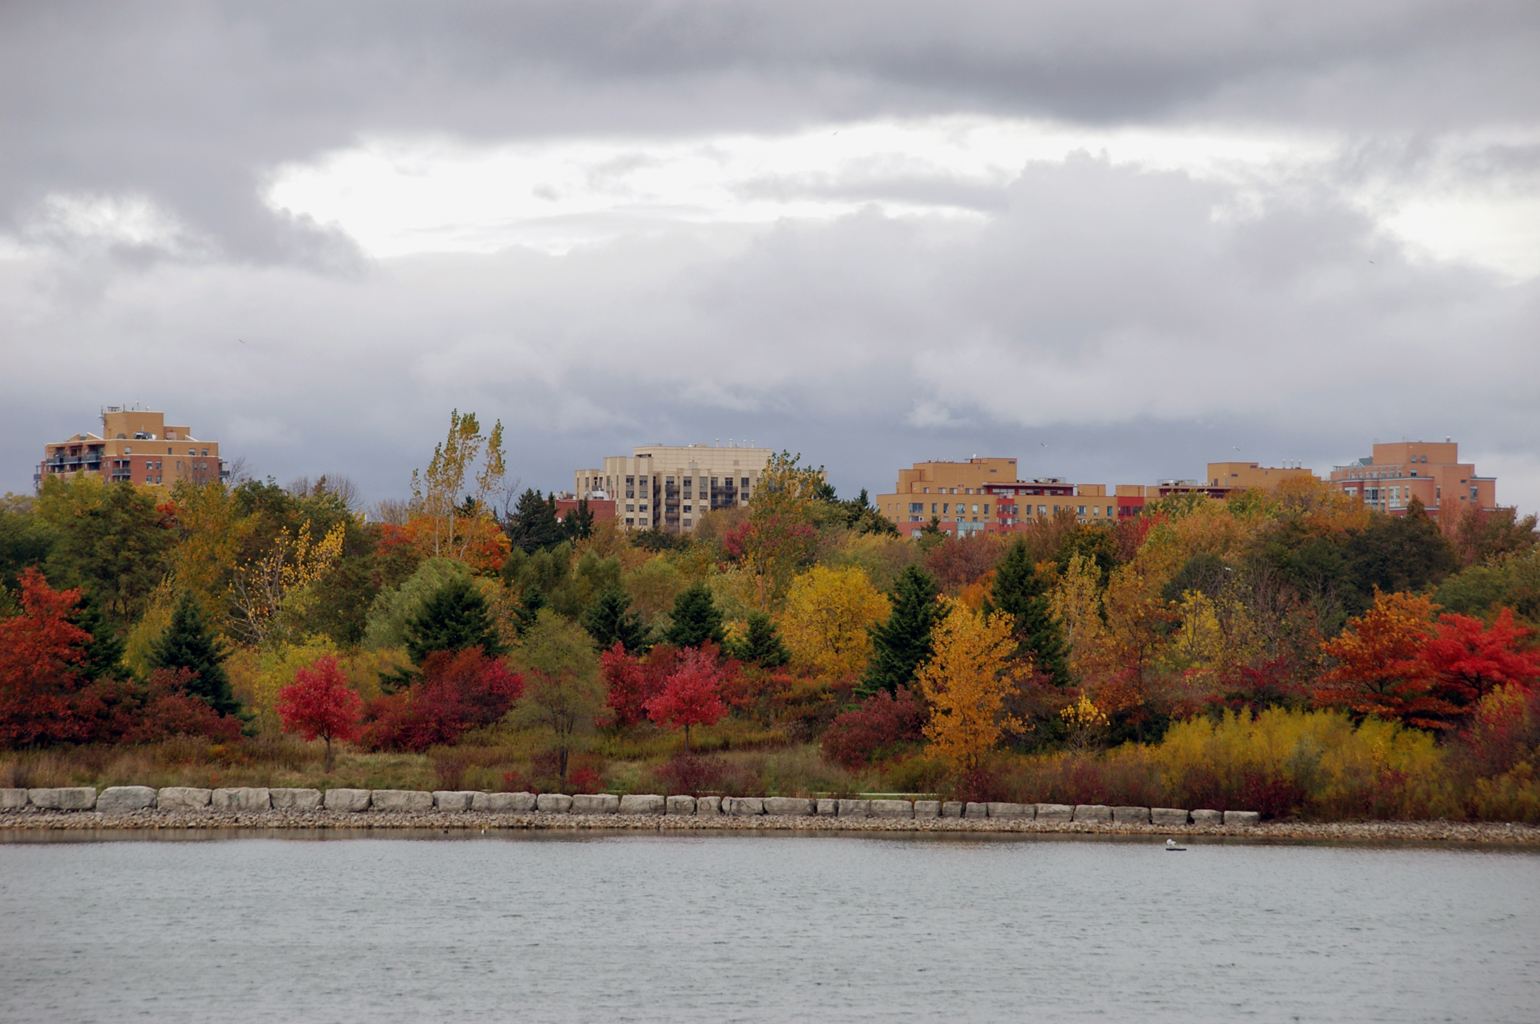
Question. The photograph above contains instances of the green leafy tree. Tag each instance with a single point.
(761, 644)
(111, 540)
(1399, 553)
(696, 618)
(188, 643)
(609, 621)
(903, 643)
(533, 526)
(24, 540)
(1023, 594)
(563, 688)
(455, 618)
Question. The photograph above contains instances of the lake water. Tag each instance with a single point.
(604, 927)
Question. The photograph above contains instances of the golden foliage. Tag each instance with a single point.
(436, 491)
(826, 619)
(263, 589)
(1076, 603)
(967, 682)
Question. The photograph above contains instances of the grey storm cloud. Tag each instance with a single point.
(1102, 321)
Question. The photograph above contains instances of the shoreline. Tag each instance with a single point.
(35, 820)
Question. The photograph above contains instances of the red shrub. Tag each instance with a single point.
(460, 691)
(40, 682)
(882, 722)
(168, 711)
(691, 774)
(634, 681)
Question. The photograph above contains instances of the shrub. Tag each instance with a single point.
(460, 691)
(691, 774)
(883, 722)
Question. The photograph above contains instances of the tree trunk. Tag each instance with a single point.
(328, 753)
(687, 739)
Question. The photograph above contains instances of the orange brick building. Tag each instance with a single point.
(1428, 471)
(135, 446)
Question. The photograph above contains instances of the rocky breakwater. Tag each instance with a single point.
(188, 807)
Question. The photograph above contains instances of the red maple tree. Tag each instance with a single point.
(40, 656)
(319, 704)
(633, 681)
(693, 694)
(1469, 659)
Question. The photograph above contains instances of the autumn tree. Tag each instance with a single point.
(1468, 659)
(563, 688)
(692, 694)
(902, 643)
(1021, 592)
(696, 618)
(780, 534)
(1380, 669)
(437, 491)
(828, 615)
(319, 704)
(189, 643)
(264, 589)
(41, 654)
(967, 683)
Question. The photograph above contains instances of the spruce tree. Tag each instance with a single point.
(104, 650)
(453, 619)
(902, 644)
(1020, 591)
(187, 643)
(533, 524)
(578, 523)
(609, 620)
(762, 645)
(528, 612)
(696, 618)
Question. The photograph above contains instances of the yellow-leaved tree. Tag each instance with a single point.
(825, 625)
(1076, 602)
(967, 682)
(436, 491)
(263, 589)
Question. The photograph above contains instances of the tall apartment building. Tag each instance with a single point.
(984, 495)
(669, 487)
(135, 446)
(1429, 471)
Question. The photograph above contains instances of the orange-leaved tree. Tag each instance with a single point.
(967, 682)
(319, 704)
(1380, 666)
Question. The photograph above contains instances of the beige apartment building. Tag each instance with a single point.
(669, 487)
(1428, 471)
(135, 446)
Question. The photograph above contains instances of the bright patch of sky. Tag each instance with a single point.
(400, 196)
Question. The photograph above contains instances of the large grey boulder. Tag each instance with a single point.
(1131, 815)
(891, 809)
(503, 803)
(680, 804)
(788, 805)
(595, 803)
(68, 798)
(1019, 811)
(953, 809)
(1208, 817)
(1243, 817)
(295, 799)
(855, 808)
(708, 806)
(453, 799)
(1093, 812)
(743, 806)
(1055, 812)
(644, 803)
(976, 810)
(120, 799)
(244, 798)
(827, 805)
(401, 801)
(347, 800)
(183, 798)
(1168, 815)
(13, 799)
(927, 808)
(553, 803)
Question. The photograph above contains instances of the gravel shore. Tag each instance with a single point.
(33, 820)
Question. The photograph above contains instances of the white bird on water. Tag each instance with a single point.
(1171, 847)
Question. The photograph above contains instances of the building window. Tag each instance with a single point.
(1109, 510)
(1042, 510)
(630, 521)
(916, 506)
(1080, 511)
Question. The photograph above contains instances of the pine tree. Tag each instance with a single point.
(104, 650)
(453, 619)
(902, 644)
(533, 524)
(578, 523)
(761, 645)
(187, 643)
(1023, 594)
(696, 618)
(530, 602)
(609, 621)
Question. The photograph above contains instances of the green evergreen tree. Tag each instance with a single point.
(609, 620)
(453, 619)
(528, 613)
(902, 644)
(696, 618)
(761, 644)
(1021, 592)
(104, 651)
(578, 523)
(187, 643)
(533, 524)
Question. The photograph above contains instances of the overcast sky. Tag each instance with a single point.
(1115, 240)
